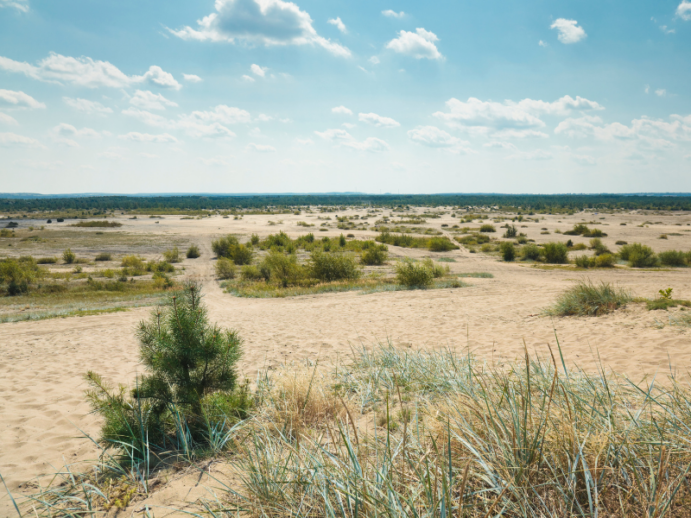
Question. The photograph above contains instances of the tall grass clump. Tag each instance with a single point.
(487, 228)
(414, 275)
(588, 299)
(68, 256)
(188, 362)
(530, 252)
(508, 251)
(638, 255)
(172, 255)
(193, 252)
(555, 253)
(103, 256)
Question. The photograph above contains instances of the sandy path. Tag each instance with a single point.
(43, 363)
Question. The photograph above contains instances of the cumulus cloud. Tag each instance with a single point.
(17, 99)
(87, 72)
(258, 71)
(67, 130)
(222, 114)
(216, 161)
(163, 138)
(538, 154)
(660, 92)
(191, 78)
(259, 22)
(86, 106)
(374, 60)
(378, 120)
(150, 101)
(20, 5)
(197, 124)
(519, 134)
(7, 120)
(418, 44)
(342, 110)
(12, 140)
(569, 31)
(339, 24)
(248, 79)
(343, 138)
(393, 14)
(431, 136)
(585, 160)
(487, 116)
(684, 10)
(260, 148)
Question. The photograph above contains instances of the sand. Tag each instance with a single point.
(43, 414)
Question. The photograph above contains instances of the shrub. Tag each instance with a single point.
(68, 256)
(333, 267)
(440, 244)
(225, 268)
(281, 268)
(250, 272)
(414, 275)
(599, 247)
(186, 360)
(47, 260)
(104, 256)
(230, 248)
(487, 228)
(604, 261)
(579, 246)
(620, 243)
(582, 261)
(672, 258)
(511, 232)
(436, 269)
(530, 253)
(172, 255)
(342, 241)
(254, 240)
(16, 275)
(555, 253)
(638, 255)
(374, 254)
(193, 252)
(159, 267)
(132, 261)
(508, 251)
(97, 224)
(588, 299)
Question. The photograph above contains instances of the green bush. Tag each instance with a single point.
(436, 269)
(530, 253)
(230, 248)
(193, 252)
(508, 251)
(440, 244)
(47, 260)
(172, 255)
(225, 268)
(187, 360)
(16, 275)
(638, 255)
(599, 247)
(588, 299)
(69, 256)
(132, 261)
(104, 256)
(333, 267)
(159, 267)
(672, 258)
(251, 272)
(582, 261)
(487, 228)
(374, 254)
(414, 275)
(254, 239)
(555, 253)
(604, 261)
(282, 269)
(511, 232)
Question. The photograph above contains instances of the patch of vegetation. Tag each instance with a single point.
(333, 267)
(230, 248)
(555, 253)
(487, 227)
(374, 254)
(172, 255)
(477, 275)
(583, 230)
(103, 256)
(435, 244)
(638, 255)
(674, 258)
(69, 256)
(96, 224)
(587, 299)
(225, 268)
(508, 251)
(193, 252)
(531, 253)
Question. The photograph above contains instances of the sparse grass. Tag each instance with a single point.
(435, 244)
(588, 299)
(476, 275)
(665, 304)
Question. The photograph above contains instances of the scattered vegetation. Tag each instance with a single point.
(96, 224)
(225, 268)
(69, 256)
(193, 252)
(638, 255)
(103, 256)
(588, 299)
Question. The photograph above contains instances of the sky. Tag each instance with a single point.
(377, 96)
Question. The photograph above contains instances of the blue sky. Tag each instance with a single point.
(314, 96)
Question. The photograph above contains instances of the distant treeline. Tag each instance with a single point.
(539, 203)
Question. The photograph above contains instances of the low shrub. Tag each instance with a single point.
(414, 275)
(96, 224)
(604, 261)
(230, 248)
(437, 270)
(225, 268)
(487, 228)
(133, 261)
(638, 255)
(508, 251)
(193, 252)
(374, 254)
(582, 261)
(47, 260)
(172, 255)
(672, 258)
(555, 253)
(333, 267)
(69, 256)
(530, 253)
(16, 275)
(579, 246)
(251, 272)
(440, 244)
(599, 247)
(587, 299)
(282, 269)
(103, 256)
(511, 232)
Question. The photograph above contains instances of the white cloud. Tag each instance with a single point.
(349, 125)
(684, 10)
(20, 5)
(67, 130)
(339, 24)
(500, 145)
(163, 138)
(221, 113)
(418, 44)
(486, 116)
(343, 138)
(586, 160)
(216, 161)
(542, 43)
(6, 119)
(12, 140)
(18, 100)
(660, 92)
(147, 155)
(150, 101)
(148, 118)
(305, 141)
(520, 134)
(569, 31)
(647, 89)
(260, 148)
(86, 106)
(191, 78)
(374, 60)
(39, 164)
(431, 136)
(112, 155)
(531, 155)
(258, 71)
(378, 120)
(259, 22)
(342, 110)
(84, 71)
(247, 78)
(393, 14)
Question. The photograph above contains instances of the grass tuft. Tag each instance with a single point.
(588, 299)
